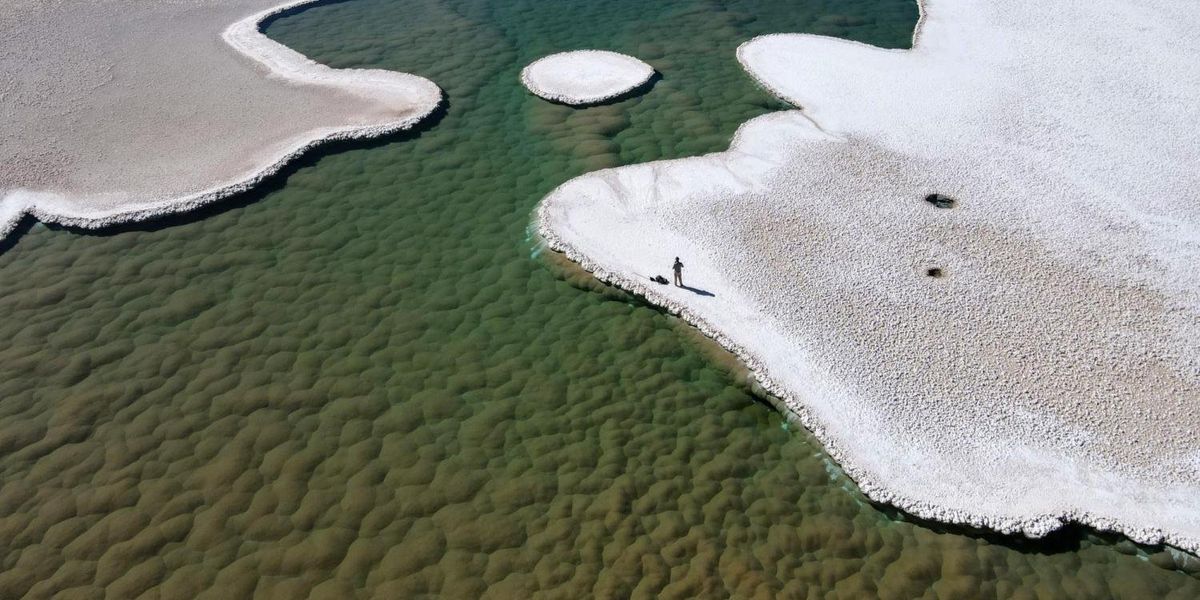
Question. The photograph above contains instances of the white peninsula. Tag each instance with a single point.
(124, 110)
(972, 268)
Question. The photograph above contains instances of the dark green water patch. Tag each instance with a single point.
(363, 383)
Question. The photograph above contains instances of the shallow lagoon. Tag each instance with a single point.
(366, 380)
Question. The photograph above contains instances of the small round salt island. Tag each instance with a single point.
(585, 76)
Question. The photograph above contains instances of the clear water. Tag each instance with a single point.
(364, 381)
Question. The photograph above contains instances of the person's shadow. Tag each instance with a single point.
(659, 279)
(698, 291)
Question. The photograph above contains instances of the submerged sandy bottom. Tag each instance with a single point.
(1026, 357)
(360, 384)
(122, 111)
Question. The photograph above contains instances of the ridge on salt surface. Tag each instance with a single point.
(125, 111)
(585, 76)
(1050, 371)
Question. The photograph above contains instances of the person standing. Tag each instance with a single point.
(678, 267)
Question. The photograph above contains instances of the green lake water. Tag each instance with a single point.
(365, 380)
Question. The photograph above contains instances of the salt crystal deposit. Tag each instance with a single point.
(585, 76)
(969, 268)
(120, 111)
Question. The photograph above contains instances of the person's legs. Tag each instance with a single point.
(678, 279)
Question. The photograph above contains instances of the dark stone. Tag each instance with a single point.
(941, 201)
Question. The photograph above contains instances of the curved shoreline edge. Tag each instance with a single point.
(784, 399)
(246, 37)
(872, 485)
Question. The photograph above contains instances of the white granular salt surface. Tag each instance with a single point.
(123, 110)
(585, 76)
(1051, 372)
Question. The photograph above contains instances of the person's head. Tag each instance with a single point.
(676, 259)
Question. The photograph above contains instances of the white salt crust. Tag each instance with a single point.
(111, 143)
(1053, 373)
(585, 76)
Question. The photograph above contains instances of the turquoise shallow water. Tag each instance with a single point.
(365, 381)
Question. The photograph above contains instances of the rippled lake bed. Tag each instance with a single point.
(367, 379)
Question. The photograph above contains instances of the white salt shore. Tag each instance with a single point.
(1052, 373)
(121, 111)
(585, 76)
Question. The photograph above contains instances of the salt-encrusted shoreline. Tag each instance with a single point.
(390, 102)
(582, 77)
(1032, 441)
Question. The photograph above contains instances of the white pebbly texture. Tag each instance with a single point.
(123, 110)
(585, 76)
(1052, 373)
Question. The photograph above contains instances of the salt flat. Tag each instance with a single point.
(1027, 356)
(119, 111)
